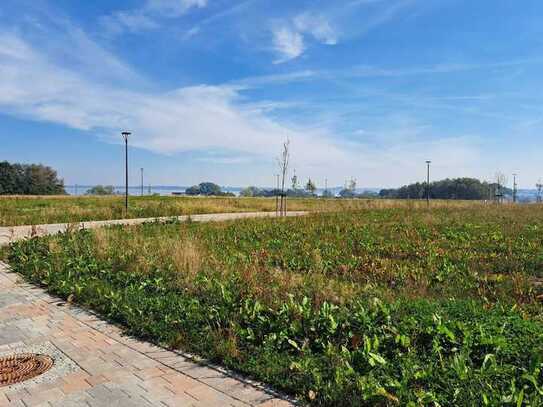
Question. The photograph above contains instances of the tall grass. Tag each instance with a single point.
(33, 210)
(393, 306)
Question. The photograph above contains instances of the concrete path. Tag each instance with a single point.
(95, 365)
(10, 234)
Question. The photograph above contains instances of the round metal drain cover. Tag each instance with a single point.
(23, 366)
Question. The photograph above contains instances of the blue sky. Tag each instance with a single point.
(368, 89)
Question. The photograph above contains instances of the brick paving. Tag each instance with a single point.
(110, 369)
(10, 234)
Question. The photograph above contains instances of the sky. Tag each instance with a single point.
(211, 89)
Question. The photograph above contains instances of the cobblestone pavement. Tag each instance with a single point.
(12, 233)
(95, 365)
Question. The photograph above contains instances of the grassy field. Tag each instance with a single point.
(33, 210)
(387, 306)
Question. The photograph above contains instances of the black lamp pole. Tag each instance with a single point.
(125, 135)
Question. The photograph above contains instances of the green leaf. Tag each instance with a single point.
(293, 344)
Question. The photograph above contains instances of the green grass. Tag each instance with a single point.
(34, 210)
(389, 306)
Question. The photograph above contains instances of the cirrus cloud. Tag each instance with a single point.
(147, 17)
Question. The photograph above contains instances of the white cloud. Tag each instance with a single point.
(214, 121)
(194, 118)
(146, 17)
(132, 21)
(275, 79)
(173, 8)
(317, 26)
(288, 43)
(289, 37)
(321, 24)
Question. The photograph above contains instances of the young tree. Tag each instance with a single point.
(283, 162)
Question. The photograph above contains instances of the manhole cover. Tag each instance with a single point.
(23, 366)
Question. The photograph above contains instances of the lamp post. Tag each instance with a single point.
(428, 162)
(125, 135)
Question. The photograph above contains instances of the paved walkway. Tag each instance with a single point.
(12, 233)
(95, 365)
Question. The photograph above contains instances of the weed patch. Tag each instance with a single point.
(376, 307)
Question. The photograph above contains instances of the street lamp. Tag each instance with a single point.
(428, 162)
(125, 135)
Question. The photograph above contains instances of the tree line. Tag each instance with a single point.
(456, 188)
(207, 189)
(38, 179)
(29, 179)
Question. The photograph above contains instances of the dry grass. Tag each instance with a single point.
(467, 252)
(33, 210)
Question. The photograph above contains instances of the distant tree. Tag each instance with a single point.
(257, 192)
(310, 187)
(459, 188)
(207, 189)
(29, 179)
(539, 187)
(327, 194)
(350, 189)
(11, 178)
(193, 190)
(250, 191)
(298, 193)
(347, 193)
(101, 190)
